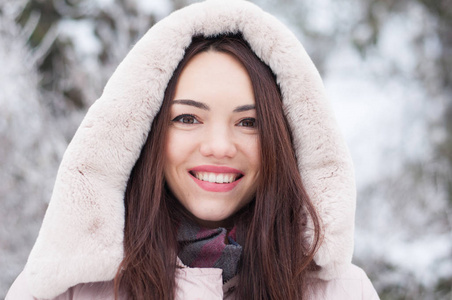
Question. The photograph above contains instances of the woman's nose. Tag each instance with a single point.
(218, 142)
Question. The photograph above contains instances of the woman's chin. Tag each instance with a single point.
(213, 221)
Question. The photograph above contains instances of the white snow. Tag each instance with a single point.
(82, 35)
(160, 8)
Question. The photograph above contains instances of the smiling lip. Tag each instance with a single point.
(212, 186)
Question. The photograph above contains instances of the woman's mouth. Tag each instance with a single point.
(216, 178)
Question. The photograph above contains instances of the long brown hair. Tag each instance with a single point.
(278, 246)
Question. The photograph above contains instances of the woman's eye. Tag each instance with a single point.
(249, 122)
(186, 119)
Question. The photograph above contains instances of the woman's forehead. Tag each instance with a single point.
(215, 78)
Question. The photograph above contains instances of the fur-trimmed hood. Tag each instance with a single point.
(82, 232)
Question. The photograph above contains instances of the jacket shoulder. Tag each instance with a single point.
(19, 289)
(353, 283)
(93, 290)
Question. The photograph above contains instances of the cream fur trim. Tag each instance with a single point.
(82, 232)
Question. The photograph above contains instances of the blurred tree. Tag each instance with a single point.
(442, 78)
(90, 38)
(421, 193)
(30, 147)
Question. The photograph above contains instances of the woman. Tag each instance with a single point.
(210, 168)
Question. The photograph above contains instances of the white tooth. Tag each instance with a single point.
(226, 178)
(198, 176)
(205, 176)
(219, 178)
(211, 177)
(231, 178)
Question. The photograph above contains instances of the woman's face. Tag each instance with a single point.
(212, 156)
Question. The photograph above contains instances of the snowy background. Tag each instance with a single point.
(386, 65)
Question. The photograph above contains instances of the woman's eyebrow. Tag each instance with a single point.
(244, 108)
(192, 103)
(204, 106)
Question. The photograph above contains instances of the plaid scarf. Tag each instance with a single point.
(207, 248)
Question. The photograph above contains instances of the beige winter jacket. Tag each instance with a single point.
(81, 239)
(207, 284)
